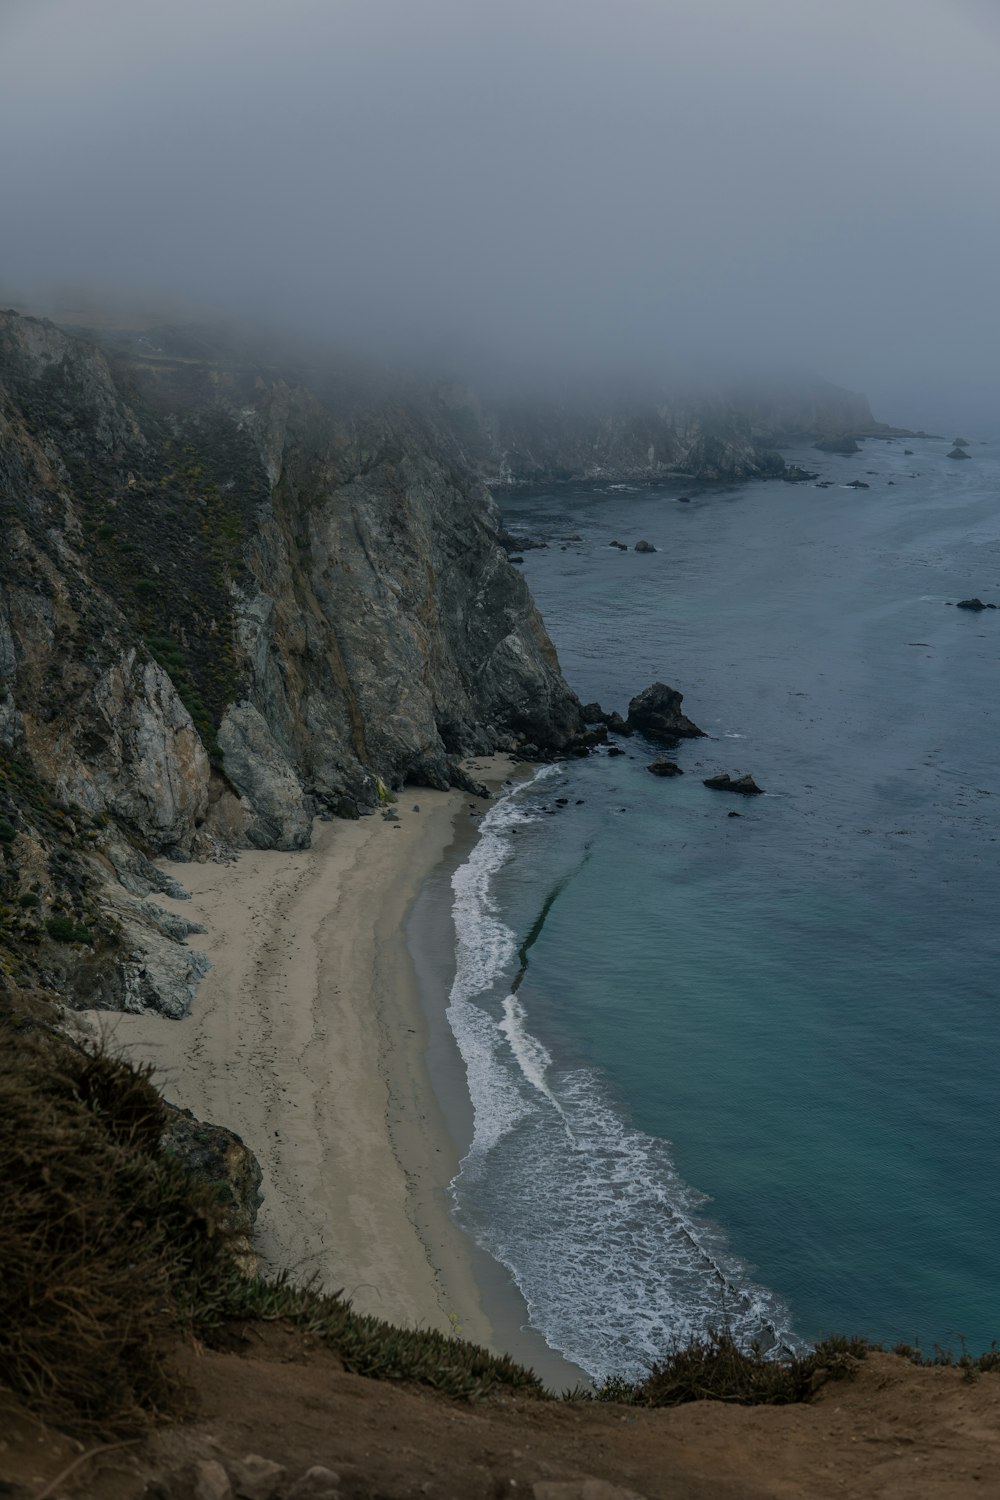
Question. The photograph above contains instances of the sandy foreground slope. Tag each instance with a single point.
(306, 1038)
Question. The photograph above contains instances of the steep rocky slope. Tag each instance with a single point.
(233, 595)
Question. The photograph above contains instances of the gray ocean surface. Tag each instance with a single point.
(743, 1072)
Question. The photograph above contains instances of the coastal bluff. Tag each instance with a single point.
(238, 590)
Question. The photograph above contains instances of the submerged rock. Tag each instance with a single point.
(656, 712)
(726, 783)
(661, 767)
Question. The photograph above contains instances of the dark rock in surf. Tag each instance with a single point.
(855, 484)
(663, 767)
(959, 453)
(683, 499)
(742, 784)
(656, 712)
(976, 604)
(593, 713)
(617, 724)
(795, 474)
(644, 546)
(734, 815)
(615, 750)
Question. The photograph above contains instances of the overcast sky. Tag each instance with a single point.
(579, 183)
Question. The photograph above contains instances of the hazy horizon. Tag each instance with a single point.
(642, 189)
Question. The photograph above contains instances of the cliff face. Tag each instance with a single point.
(231, 598)
(730, 435)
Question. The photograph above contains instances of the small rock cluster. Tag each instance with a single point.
(250, 1478)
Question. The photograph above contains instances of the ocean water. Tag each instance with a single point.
(743, 1072)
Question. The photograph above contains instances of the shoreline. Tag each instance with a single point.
(309, 1037)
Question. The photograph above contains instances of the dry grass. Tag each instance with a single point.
(102, 1236)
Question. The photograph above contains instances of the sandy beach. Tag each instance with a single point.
(307, 1038)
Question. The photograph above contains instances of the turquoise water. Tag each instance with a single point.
(745, 1070)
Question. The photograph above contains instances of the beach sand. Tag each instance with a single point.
(306, 1038)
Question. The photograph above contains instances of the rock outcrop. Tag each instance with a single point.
(656, 713)
(726, 783)
(235, 593)
(663, 767)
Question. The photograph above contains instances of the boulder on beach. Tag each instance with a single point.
(958, 453)
(644, 547)
(656, 712)
(725, 783)
(661, 767)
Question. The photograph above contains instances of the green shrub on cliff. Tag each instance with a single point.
(66, 930)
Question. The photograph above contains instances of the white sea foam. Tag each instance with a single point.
(486, 949)
(606, 1242)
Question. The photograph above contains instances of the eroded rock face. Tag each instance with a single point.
(232, 597)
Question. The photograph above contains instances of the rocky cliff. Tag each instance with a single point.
(729, 434)
(233, 595)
